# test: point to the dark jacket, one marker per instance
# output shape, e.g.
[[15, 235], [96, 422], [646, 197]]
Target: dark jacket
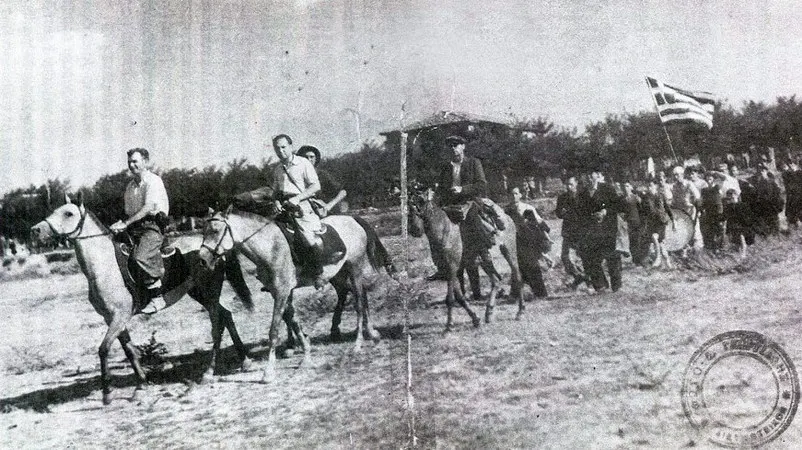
[[712, 203], [568, 210], [767, 197], [472, 180], [600, 232]]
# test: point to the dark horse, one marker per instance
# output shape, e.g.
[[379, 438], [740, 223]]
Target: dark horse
[[463, 254], [109, 295]]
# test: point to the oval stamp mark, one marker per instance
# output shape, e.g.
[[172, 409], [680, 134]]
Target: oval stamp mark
[[741, 389]]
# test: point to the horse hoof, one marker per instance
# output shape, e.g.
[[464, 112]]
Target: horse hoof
[[306, 363], [374, 335], [289, 352], [488, 317], [106, 399], [519, 315], [476, 322], [268, 375], [246, 365], [207, 378], [336, 336]]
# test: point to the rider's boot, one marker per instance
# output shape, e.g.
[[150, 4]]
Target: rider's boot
[[157, 302], [315, 265]]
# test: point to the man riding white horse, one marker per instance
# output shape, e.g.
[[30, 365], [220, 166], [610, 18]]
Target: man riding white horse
[[147, 206], [296, 182]]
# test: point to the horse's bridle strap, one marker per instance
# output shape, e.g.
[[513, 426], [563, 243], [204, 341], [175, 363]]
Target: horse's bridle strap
[[230, 232]]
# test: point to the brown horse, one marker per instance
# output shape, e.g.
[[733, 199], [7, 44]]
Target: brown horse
[[109, 295], [262, 241], [460, 254]]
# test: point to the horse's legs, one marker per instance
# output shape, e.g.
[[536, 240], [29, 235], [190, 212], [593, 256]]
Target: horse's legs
[[116, 327], [227, 322], [289, 318], [295, 334], [454, 292], [487, 265], [473, 277], [511, 256], [452, 286], [359, 294], [130, 353], [297, 331], [340, 283], [217, 336], [370, 332]]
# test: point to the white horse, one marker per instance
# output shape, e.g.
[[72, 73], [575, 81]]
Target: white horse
[[262, 241], [113, 298]]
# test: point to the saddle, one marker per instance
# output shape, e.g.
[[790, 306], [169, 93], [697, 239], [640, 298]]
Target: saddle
[[333, 245], [175, 270], [489, 224]]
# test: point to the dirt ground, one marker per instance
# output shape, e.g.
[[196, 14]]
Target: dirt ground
[[578, 371]]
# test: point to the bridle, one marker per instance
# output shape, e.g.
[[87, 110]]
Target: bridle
[[77, 231], [227, 231]]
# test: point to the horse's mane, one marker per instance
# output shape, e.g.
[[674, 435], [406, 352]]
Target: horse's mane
[[252, 216], [97, 221]]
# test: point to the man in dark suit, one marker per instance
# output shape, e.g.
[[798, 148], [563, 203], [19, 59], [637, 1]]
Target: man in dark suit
[[568, 210], [462, 190], [463, 179], [600, 206]]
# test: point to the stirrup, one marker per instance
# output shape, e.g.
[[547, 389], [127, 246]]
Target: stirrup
[[155, 305]]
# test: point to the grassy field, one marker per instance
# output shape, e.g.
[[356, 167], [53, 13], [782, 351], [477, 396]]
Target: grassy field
[[579, 371]]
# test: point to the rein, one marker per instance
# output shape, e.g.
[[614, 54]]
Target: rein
[[230, 232]]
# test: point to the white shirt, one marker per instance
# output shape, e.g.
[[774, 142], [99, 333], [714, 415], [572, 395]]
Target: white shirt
[[455, 171], [149, 190], [302, 172], [522, 207]]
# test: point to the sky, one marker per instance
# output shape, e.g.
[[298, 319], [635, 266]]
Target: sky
[[202, 83]]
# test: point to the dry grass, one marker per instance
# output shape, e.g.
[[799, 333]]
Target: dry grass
[[578, 371]]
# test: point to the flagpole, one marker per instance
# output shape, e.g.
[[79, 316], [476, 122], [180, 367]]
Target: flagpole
[[661, 121]]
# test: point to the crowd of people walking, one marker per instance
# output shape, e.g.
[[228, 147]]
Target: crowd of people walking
[[604, 222]]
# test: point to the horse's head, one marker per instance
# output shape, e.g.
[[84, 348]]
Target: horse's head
[[420, 200], [66, 221], [217, 239]]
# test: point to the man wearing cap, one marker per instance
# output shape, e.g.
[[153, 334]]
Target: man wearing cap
[[147, 206], [462, 185], [330, 188]]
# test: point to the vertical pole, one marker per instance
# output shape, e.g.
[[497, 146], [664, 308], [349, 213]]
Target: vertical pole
[[676, 160], [413, 439], [404, 211]]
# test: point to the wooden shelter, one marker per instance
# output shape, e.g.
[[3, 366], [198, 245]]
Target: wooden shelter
[[431, 132]]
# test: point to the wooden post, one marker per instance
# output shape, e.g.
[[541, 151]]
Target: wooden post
[[403, 179]]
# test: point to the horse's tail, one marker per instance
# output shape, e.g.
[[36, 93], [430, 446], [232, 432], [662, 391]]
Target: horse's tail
[[237, 281], [377, 254]]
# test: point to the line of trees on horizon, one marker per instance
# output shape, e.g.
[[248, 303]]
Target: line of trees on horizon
[[528, 148]]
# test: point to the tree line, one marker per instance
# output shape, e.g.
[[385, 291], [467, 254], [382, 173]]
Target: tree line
[[527, 148]]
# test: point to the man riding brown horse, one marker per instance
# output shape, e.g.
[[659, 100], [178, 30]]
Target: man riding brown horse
[[462, 191]]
